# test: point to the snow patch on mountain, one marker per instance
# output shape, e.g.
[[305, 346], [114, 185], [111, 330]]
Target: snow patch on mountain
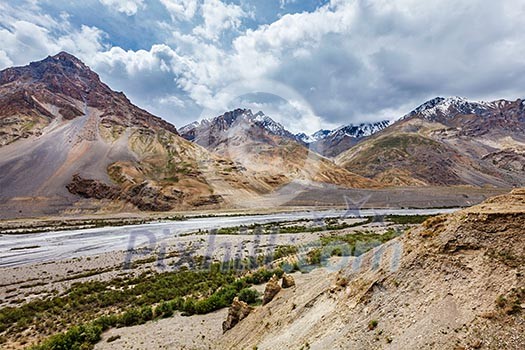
[[304, 138], [321, 134], [452, 106], [241, 115], [355, 131]]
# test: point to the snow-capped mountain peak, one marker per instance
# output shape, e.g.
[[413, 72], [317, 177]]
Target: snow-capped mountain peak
[[360, 130], [321, 134], [304, 138], [354, 131], [270, 125], [229, 119], [232, 118], [451, 106]]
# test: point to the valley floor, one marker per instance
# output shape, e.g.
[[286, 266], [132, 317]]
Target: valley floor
[[476, 254], [31, 283], [37, 213]]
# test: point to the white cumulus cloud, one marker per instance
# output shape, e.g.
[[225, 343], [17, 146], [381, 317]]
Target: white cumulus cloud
[[181, 9], [346, 61], [129, 7], [219, 17]]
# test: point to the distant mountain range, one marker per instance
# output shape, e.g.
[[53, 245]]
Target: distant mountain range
[[325, 142], [264, 146], [333, 142], [208, 131], [447, 141], [69, 142]]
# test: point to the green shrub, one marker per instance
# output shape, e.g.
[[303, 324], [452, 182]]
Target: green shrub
[[407, 219], [284, 251], [248, 295], [130, 318], [314, 256], [146, 313], [78, 337], [164, 309]]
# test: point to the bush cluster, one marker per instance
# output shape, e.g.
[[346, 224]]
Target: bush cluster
[[226, 288]]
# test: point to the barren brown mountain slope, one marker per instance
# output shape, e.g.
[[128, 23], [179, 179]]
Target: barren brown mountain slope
[[68, 142], [67, 136], [447, 142], [455, 282], [262, 145]]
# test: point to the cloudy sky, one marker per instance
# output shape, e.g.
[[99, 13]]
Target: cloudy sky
[[307, 63]]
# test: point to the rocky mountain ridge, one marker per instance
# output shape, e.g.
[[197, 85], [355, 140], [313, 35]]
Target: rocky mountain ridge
[[206, 131], [341, 139], [67, 84], [84, 147], [258, 143], [450, 141]]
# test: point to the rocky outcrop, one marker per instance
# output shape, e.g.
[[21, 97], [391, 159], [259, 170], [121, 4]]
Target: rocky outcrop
[[89, 188], [213, 199], [145, 196], [148, 196], [288, 281], [237, 311], [271, 290]]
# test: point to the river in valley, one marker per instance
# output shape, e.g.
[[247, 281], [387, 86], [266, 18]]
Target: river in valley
[[23, 249]]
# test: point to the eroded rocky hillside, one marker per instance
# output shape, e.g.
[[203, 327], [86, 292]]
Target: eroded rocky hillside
[[455, 282]]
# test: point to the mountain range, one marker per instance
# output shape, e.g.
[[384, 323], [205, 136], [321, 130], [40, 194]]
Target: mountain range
[[447, 141], [70, 143], [331, 143]]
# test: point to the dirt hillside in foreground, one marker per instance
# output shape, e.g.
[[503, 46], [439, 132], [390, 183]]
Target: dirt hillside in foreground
[[459, 284]]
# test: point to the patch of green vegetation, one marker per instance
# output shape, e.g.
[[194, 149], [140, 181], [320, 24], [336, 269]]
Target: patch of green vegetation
[[130, 301], [248, 295], [403, 141], [330, 224], [314, 256], [372, 324], [511, 304], [352, 244], [284, 251], [357, 243]]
